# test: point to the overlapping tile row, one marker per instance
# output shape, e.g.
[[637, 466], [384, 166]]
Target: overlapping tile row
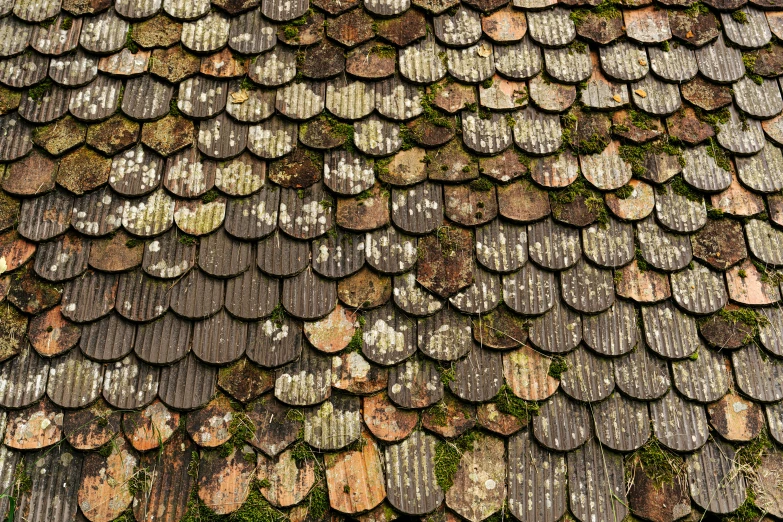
[[375, 259]]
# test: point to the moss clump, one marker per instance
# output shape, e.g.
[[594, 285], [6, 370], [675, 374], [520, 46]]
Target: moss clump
[[580, 141], [383, 51], [481, 184], [46, 24], [438, 413], [697, 9], [447, 375], [577, 46], [557, 366], [210, 196], [768, 275], [641, 120], [624, 192], [40, 89], [132, 242], [641, 263], [606, 9], [714, 213], [187, 240], [748, 317], [430, 113], [448, 456], [715, 118], [278, 315], [636, 155], [658, 463], [665, 46], [173, 107], [593, 200], [356, 342], [67, 23], [740, 17], [129, 43], [242, 429], [679, 187], [508, 403]]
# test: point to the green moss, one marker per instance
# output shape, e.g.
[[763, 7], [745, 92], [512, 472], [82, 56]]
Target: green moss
[[593, 200], [714, 213], [679, 187], [187, 240], [438, 413], [641, 120], [357, 341], [697, 9], [742, 273], [129, 43], [659, 464], [714, 118], [132, 242], [508, 403], [641, 263], [67, 23], [481, 184], [768, 275], [665, 46], [747, 512], [749, 317], [46, 24], [140, 481], [581, 143], [577, 46], [487, 84], [606, 9], [624, 192], [40, 89], [383, 51], [278, 315], [448, 456], [242, 429], [694, 356], [173, 108], [557, 366], [210, 196], [636, 155], [407, 137], [739, 17], [247, 84]]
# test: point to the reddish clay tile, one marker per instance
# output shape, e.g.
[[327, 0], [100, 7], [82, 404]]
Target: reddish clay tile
[[642, 287], [61, 136], [405, 168], [706, 95], [38, 426], [224, 482], [500, 329], [506, 25], [522, 201], [576, 212], [685, 126], [490, 417], [31, 294], [15, 251], [298, 170], [289, 481], [273, 437], [747, 286], [486, 5], [31, 175], [174, 64], [309, 33], [116, 253], [364, 289], [105, 489], [223, 64], [323, 60], [245, 381], [659, 502], [427, 134], [471, 203], [450, 417], [351, 372], [696, 29], [527, 374], [159, 31], [621, 120], [355, 478], [90, 428], [351, 29], [209, 426], [776, 208], [452, 96], [366, 213], [51, 334], [737, 200], [125, 63], [504, 167], [446, 261], [168, 135], [170, 484], [332, 333], [721, 243], [385, 420], [723, 333], [371, 60], [5, 283], [480, 481], [404, 29], [149, 428], [600, 29], [637, 206], [13, 325], [735, 418]]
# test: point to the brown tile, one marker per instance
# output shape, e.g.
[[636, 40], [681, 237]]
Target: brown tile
[[355, 479], [747, 286], [351, 29], [696, 29], [527, 374], [125, 63], [171, 481], [244, 381], [168, 135], [470, 204], [449, 417], [446, 263], [224, 482], [209, 427], [273, 437], [723, 333], [721, 243], [298, 170], [737, 200], [38, 426], [15, 251], [174, 64], [452, 96], [90, 428], [385, 420], [51, 334], [428, 134], [353, 373], [9, 211], [159, 31], [323, 60], [364, 289], [642, 286], [504, 167], [151, 427], [80, 7], [365, 213], [664, 502], [768, 494], [31, 175], [523, 202], [117, 253], [735, 418], [600, 29], [223, 64], [308, 33], [706, 95], [332, 333], [621, 120], [403, 29], [479, 483], [685, 126], [500, 329], [491, 418], [505, 25], [105, 488], [31, 294]]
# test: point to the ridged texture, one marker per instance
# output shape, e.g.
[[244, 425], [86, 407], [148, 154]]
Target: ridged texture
[[306, 381], [108, 339], [761, 378], [219, 340], [562, 424], [622, 424], [699, 290], [704, 379], [720, 63], [187, 384], [589, 378], [410, 476], [419, 209], [587, 288], [596, 486], [537, 132], [530, 291], [146, 98], [89, 297], [680, 425], [130, 383], [762, 172], [613, 332], [74, 381], [715, 483], [559, 330], [334, 424], [624, 61], [641, 374], [164, 341], [534, 472], [55, 477], [478, 377], [273, 344], [678, 64], [23, 379]]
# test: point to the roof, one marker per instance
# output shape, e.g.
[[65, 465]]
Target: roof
[[381, 259]]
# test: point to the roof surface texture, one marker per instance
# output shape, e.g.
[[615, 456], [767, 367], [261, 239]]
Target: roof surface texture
[[265, 260]]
